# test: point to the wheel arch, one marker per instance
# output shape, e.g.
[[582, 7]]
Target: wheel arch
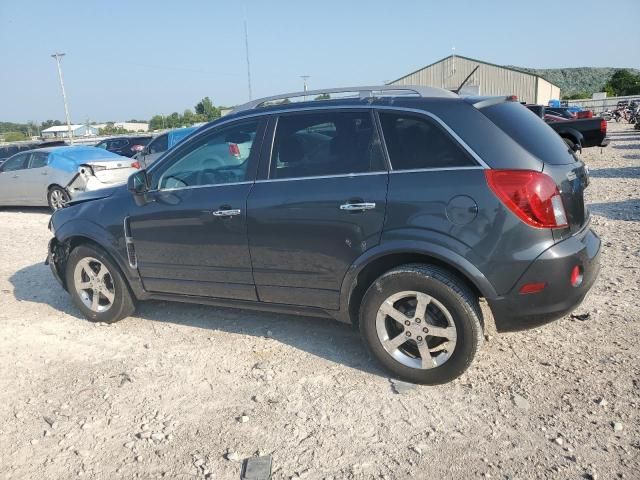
[[75, 233], [365, 271]]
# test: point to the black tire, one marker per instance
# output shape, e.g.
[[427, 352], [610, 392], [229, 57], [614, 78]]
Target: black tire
[[452, 293], [55, 196], [122, 305]]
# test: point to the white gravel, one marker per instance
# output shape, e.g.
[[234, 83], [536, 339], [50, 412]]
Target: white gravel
[[160, 393]]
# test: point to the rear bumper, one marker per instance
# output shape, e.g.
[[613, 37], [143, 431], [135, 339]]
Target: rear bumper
[[516, 311], [605, 142]]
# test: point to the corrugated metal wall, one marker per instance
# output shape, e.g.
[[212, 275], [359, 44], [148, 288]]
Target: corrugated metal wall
[[491, 79]]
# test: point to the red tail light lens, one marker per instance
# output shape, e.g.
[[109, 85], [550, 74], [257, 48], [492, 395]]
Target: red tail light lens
[[603, 126], [532, 196], [135, 165], [576, 276], [234, 149]]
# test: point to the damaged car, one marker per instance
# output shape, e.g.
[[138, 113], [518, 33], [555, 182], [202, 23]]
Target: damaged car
[[52, 176]]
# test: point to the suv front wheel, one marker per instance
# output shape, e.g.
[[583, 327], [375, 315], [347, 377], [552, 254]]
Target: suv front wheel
[[97, 286], [422, 323]]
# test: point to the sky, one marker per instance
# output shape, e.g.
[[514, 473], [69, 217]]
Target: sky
[[136, 58]]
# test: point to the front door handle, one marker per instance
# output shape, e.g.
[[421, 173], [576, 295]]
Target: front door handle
[[358, 207], [227, 213]]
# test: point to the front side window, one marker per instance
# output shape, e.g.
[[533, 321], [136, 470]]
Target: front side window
[[160, 144], [17, 162], [331, 143], [220, 157], [102, 145], [415, 142]]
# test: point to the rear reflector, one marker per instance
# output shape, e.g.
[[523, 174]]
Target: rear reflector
[[532, 196], [576, 276], [532, 288]]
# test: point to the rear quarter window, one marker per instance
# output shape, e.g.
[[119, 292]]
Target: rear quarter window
[[530, 132]]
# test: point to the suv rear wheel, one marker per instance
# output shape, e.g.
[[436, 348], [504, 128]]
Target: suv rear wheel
[[96, 285], [422, 323]]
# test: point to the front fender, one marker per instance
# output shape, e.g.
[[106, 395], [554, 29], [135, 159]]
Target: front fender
[[114, 246]]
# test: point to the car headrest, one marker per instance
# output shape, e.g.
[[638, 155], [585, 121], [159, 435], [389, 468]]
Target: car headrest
[[290, 150]]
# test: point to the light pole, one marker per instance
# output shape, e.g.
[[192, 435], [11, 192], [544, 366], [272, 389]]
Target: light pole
[[58, 56], [304, 83]]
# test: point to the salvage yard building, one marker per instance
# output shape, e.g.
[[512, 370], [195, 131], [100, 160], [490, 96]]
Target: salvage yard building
[[488, 79]]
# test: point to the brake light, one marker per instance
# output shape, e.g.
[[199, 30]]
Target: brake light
[[512, 98], [532, 196], [234, 149], [603, 126], [136, 165]]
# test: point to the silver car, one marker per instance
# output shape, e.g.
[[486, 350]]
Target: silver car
[[51, 176]]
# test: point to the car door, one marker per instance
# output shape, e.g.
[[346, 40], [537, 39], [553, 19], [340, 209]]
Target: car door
[[191, 235], [11, 191], [320, 206], [34, 179]]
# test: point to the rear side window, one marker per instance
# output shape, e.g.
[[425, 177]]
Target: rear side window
[[530, 131], [38, 160], [332, 143], [416, 142]]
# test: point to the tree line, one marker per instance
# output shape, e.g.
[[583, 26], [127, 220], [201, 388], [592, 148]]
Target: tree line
[[621, 84]]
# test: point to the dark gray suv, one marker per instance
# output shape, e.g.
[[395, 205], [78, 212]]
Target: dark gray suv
[[394, 210]]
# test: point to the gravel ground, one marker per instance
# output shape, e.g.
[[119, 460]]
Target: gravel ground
[[185, 391]]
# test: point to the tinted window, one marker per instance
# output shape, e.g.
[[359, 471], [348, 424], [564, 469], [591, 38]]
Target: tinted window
[[119, 143], [17, 162], [335, 143], [38, 160], [416, 142], [531, 132], [159, 145], [220, 157], [102, 145]]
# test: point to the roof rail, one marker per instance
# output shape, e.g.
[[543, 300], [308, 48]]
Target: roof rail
[[359, 92]]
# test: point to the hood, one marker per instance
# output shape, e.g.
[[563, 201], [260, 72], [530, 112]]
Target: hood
[[82, 197]]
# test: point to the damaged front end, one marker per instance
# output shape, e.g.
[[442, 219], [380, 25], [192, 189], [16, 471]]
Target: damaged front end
[[97, 176], [84, 181], [57, 257]]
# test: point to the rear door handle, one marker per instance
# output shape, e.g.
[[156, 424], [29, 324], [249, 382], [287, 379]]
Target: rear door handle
[[227, 213], [358, 207]]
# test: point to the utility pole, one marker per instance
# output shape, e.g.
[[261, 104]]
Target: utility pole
[[304, 83], [246, 47], [58, 56]]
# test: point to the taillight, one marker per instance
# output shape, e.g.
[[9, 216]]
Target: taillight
[[532, 196], [136, 164], [603, 126], [234, 149]]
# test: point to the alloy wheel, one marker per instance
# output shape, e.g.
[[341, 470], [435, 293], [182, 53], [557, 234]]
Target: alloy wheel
[[94, 284], [416, 330], [58, 199]]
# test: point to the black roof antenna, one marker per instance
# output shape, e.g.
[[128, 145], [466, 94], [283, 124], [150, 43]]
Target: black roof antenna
[[457, 90]]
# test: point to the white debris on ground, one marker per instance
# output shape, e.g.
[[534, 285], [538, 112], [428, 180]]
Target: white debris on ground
[[186, 391]]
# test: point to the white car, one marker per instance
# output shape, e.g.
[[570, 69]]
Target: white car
[[52, 176]]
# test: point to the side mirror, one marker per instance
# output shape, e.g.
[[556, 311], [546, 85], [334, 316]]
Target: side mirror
[[138, 183]]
